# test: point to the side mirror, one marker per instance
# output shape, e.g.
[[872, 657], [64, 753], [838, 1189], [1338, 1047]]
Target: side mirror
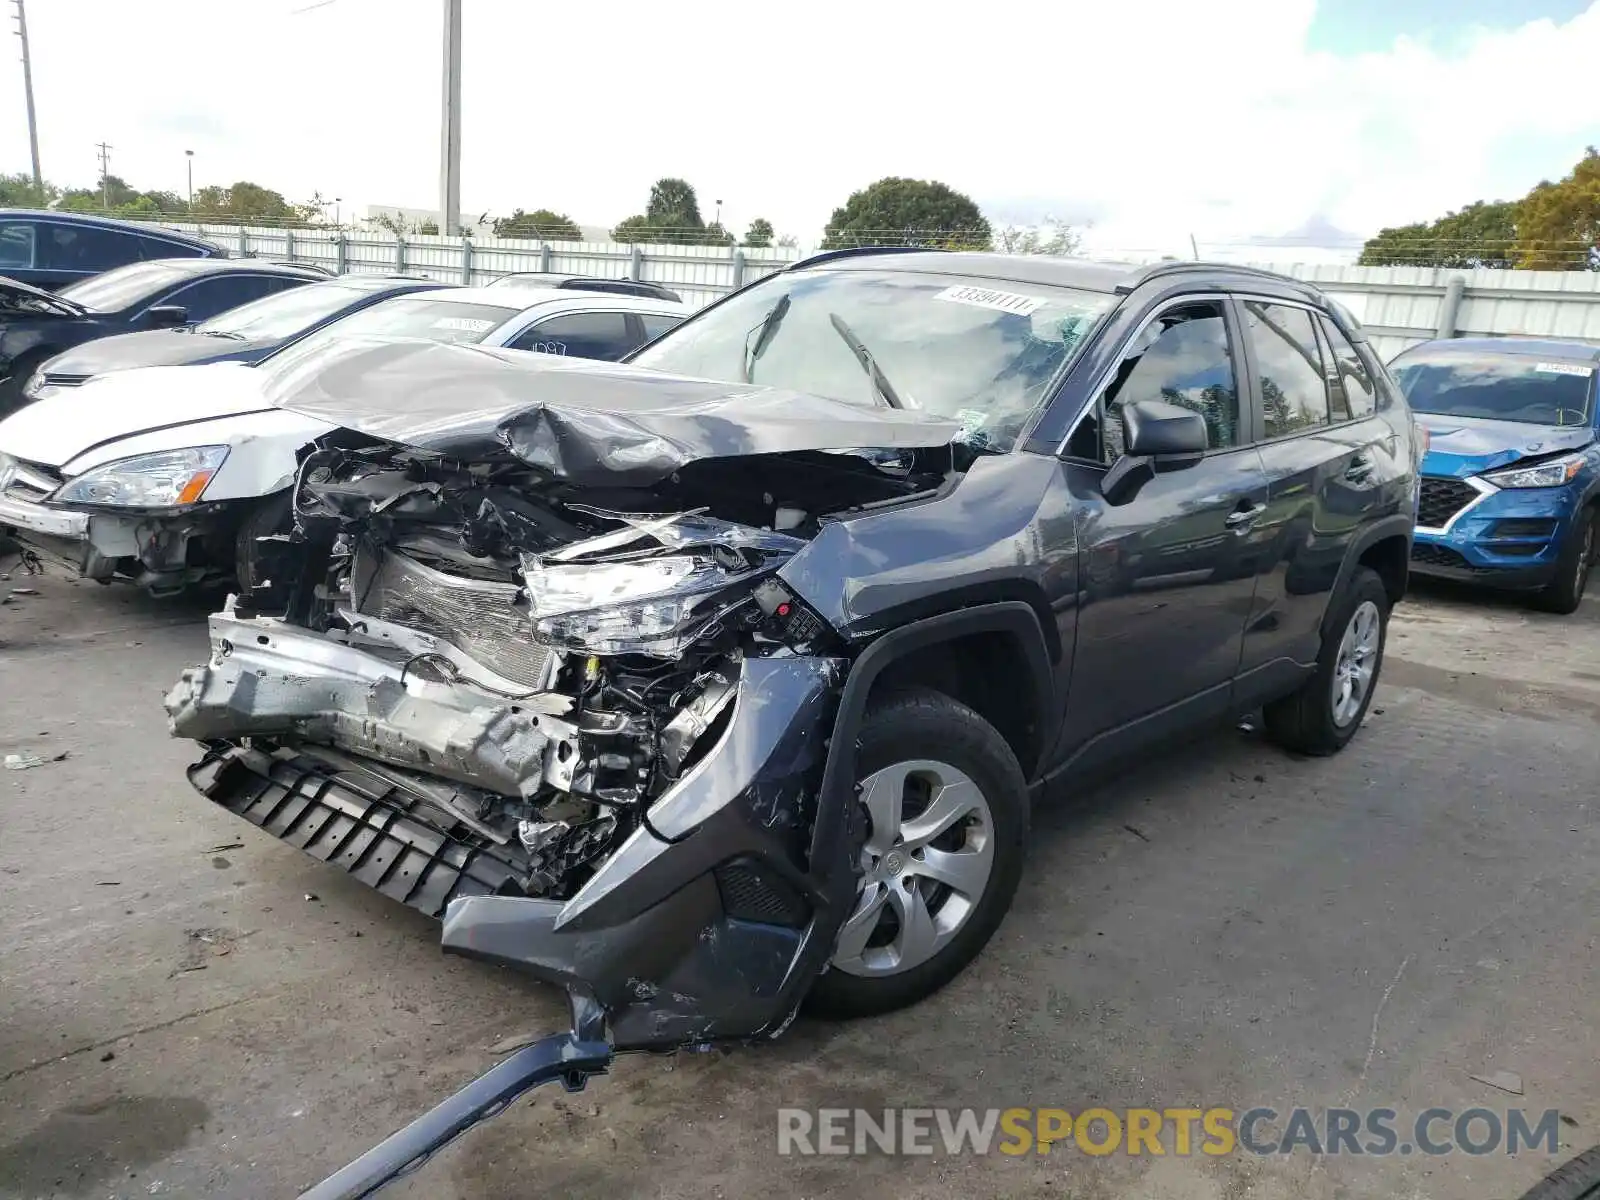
[[166, 316], [1157, 436]]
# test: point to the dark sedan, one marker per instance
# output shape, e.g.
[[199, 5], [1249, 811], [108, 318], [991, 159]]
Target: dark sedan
[[36, 325], [244, 334], [52, 249]]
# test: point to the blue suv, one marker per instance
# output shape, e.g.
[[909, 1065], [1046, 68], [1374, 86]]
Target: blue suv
[[1511, 478]]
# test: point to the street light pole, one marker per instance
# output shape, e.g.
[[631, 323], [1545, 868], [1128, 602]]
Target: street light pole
[[189, 156], [450, 129], [27, 84]]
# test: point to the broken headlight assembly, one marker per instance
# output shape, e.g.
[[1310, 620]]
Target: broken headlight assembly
[[604, 596], [168, 479], [1554, 473]]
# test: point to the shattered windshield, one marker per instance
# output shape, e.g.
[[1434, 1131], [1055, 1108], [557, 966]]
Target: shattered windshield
[[1503, 387], [979, 351]]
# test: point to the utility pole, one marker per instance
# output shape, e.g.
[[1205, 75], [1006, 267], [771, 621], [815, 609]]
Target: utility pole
[[105, 175], [189, 158], [27, 85], [450, 129]]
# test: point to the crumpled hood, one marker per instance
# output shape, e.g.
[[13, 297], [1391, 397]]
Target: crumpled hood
[[55, 430], [582, 421], [1464, 446], [152, 348], [12, 290]]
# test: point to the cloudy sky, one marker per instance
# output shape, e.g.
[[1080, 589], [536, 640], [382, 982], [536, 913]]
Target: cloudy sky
[[1310, 121]]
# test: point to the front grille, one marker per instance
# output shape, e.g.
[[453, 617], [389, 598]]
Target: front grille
[[753, 893], [480, 618], [1438, 556], [1443, 499]]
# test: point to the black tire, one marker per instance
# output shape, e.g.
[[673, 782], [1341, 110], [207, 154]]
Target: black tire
[[1304, 721], [1565, 592], [924, 724], [1576, 1180], [271, 515]]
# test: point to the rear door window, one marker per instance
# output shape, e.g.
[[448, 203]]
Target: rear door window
[[17, 242], [655, 324], [205, 298], [88, 249], [1348, 373], [601, 335], [152, 248], [1294, 390]]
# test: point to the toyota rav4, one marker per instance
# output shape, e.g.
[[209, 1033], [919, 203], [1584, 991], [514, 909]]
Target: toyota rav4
[[724, 679]]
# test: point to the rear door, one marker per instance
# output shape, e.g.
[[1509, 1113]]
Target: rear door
[[1324, 450], [1168, 577]]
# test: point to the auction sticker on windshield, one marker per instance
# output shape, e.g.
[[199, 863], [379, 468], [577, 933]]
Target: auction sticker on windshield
[[978, 297], [1565, 369], [464, 324]]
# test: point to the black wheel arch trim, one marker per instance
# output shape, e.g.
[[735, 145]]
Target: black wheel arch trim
[[1396, 525]]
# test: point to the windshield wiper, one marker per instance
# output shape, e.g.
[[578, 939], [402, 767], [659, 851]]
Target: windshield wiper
[[764, 334], [221, 333], [869, 364]]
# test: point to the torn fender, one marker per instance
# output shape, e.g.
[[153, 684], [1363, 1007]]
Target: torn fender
[[715, 916]]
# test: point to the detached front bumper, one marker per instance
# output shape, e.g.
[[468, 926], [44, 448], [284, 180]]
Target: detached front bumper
[[61, 537], [710, 920]]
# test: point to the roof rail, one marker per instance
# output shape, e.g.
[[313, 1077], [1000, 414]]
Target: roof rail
[[1184, 266], [859, 252], [304, 266]]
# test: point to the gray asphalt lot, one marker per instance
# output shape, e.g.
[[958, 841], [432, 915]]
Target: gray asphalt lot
[[188, 1008]]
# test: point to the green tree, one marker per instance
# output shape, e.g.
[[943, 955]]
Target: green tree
[[540, 223], [1558, 224], [908, 212], [112, 195], [715, 235], [673, 205], [247, 203], [1050, 236], [17, 191], [759, 235], [1479, 235]]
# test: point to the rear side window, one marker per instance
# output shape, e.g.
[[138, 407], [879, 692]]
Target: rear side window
[[87, 248], [1181, 357], [656, 324], [1294, 391], [1348, 375], [205, 298], [152, 248], [16, 245], [602, 335]]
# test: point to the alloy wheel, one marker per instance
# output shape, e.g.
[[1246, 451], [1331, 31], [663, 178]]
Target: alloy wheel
[[925, 866], [1357, 663]]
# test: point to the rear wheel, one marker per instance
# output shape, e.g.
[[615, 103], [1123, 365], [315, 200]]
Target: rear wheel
[[1565, 592], [1327, 710], [947, 812]]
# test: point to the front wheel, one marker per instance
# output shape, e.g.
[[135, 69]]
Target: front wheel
[[1565, 592], [274, 514], [946, 809], [1324, 714]]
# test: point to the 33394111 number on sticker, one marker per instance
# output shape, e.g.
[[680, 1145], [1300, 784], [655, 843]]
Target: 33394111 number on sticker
[[977, 297]]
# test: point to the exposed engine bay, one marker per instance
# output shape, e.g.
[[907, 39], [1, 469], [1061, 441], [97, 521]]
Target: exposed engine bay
[[523, 664]]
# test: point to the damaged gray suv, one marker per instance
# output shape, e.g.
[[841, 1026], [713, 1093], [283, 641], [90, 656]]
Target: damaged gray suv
[[723, 680]]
